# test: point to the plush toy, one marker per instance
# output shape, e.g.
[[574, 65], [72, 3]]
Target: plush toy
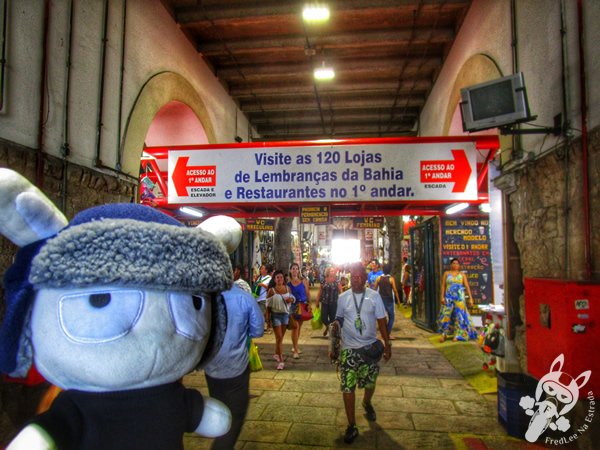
[[114, 308]]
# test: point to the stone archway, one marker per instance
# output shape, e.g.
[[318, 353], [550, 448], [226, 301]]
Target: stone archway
[[158, 91]]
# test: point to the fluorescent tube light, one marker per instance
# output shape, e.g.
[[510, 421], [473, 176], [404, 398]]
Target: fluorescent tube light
[[324, 73], [453, 209], [315, 13], [191, 211]]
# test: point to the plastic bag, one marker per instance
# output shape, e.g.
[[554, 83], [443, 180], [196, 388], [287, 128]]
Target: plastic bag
[[253, 358], [316, 322]]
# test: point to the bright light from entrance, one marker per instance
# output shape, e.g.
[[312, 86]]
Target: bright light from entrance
[[315, 13], [345, 251]]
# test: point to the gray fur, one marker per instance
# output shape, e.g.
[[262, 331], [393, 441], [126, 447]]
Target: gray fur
[[126, 252]]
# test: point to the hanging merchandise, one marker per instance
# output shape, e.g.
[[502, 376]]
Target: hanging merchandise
[[147, 188], [256, 256], [491, 341]]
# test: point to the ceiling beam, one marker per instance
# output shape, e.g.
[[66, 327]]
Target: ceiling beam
[[357, 133], [219, 10], [339, 116], [361, 40], [343, 129], [292, 104], [241, 91], [368, 66]]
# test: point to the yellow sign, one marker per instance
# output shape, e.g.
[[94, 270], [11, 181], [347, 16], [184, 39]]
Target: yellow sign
[[318, 215], [260, 224], [367, 222]]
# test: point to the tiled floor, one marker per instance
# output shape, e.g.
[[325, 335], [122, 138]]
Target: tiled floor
[[422, 402]]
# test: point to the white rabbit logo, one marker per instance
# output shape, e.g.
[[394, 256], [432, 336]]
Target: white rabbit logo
[[561, 392]]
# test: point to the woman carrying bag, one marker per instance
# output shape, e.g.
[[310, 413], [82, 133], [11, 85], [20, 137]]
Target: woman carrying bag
[[301, 306], [279, 299]]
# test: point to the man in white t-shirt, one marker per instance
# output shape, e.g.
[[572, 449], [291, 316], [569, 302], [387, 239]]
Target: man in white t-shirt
[[360, 312]]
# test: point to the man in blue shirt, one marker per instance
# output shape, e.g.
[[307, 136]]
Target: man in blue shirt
[[375, 273], [228, 374]]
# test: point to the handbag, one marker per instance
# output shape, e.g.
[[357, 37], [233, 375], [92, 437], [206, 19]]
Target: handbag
[[302, 313], [372, 353], [292, 323]]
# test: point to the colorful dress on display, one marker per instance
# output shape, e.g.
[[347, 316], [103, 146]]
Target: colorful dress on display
[[454, 313]]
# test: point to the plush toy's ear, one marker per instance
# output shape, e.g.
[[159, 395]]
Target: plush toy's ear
[[26, 214], [225, 229], [27, 218]]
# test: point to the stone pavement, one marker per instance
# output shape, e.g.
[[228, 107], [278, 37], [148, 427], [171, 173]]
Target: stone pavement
[[421, 401]]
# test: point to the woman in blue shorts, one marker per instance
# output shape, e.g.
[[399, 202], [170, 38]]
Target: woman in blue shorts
[[278, 301]]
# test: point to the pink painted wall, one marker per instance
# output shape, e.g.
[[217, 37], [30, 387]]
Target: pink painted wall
[[175, 124]]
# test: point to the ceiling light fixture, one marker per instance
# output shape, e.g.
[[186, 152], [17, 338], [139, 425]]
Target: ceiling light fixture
[[315, 13], [324, 73], [191, 211], [453, 209]]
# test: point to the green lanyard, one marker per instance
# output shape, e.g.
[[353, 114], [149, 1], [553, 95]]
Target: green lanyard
[[358, 323]]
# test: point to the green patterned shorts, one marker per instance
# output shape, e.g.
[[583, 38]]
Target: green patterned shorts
[[355, 371]]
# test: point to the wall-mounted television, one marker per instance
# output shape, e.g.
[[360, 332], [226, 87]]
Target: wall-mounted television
[[495, 103]]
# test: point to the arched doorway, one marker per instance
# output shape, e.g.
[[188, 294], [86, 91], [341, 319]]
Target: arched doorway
[[166, 99]]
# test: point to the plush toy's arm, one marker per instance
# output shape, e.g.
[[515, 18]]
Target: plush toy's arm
[[26, 214], [216, 419], [32, 437]]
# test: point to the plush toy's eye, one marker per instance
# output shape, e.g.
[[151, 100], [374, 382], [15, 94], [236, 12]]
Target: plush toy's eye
[[100, 300], [197, 300], [190, 314], [100, 316]]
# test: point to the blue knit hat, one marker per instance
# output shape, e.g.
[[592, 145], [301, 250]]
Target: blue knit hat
[[120, 245]]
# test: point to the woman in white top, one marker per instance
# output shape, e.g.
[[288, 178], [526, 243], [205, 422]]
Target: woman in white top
[[278, 301]]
